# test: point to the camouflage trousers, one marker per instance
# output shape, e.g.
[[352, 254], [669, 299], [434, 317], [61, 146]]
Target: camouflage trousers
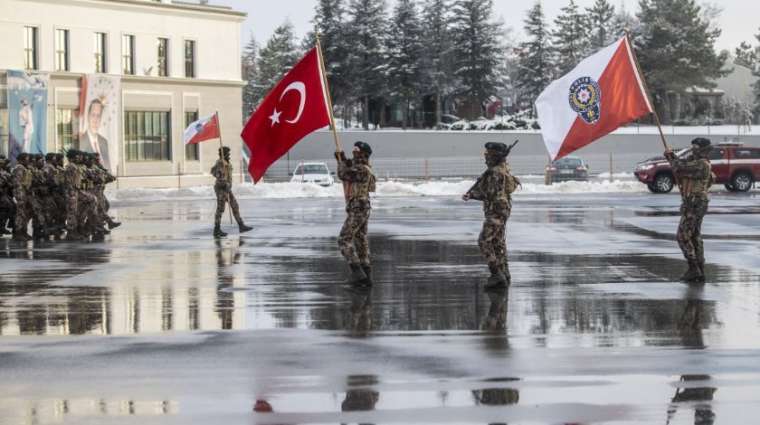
[[493, 242], [23, 211], [224, 196], [353, 241], [7, 212], [80, 212], [689, 235]]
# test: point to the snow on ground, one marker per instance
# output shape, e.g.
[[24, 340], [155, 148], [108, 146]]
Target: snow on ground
[[389, 188]]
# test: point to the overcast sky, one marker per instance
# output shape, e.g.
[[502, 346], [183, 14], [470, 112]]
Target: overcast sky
[[739, 19]]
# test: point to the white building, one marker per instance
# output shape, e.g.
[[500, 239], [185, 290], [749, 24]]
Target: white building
[[176, 61]]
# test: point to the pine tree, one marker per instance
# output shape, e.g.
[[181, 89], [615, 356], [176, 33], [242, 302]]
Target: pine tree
[[329, 21], [438, 77], [250, 76], [601, 17], [477, 51], [676, 48], [571, 43], [749, 56], [535, 58], [623, 21], [404, 53], [366, 29], [276, 58]]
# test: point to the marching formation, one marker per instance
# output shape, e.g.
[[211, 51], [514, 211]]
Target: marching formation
[[60, 201]]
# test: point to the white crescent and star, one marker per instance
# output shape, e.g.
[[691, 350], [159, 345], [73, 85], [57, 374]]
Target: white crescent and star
[[294, 86]]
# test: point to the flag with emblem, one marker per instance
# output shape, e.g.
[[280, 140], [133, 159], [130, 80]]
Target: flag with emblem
[[602, 93], [296, 107], [206, 128]]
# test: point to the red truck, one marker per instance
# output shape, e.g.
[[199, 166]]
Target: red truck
[[737, 167]]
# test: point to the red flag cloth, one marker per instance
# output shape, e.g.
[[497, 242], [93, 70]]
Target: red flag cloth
[[295, 107], [599, 95]]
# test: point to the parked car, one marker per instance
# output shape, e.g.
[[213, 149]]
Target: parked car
[[313, 172], [567, 169], [735, 166]]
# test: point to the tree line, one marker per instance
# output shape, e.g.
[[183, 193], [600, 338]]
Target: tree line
[[421, 59]]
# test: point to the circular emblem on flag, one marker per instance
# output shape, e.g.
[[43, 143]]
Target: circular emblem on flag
[[585, 97]]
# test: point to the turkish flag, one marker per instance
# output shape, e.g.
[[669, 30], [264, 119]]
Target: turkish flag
[[295, 107]]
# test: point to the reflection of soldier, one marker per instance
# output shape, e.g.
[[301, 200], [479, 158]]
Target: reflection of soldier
[[222, 171], [494, 188], [359, 181], [360, 399], [225, 301], [695, 178], [496, 319], [22, 188], [7, 205], [703, 412], [360, 314]]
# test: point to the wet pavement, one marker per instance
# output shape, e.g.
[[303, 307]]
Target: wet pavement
[[162, 324]]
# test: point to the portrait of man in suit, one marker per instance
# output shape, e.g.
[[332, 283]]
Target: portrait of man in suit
[[91, 140]]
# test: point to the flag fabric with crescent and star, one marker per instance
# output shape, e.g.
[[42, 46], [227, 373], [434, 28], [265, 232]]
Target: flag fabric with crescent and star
[[294, 108], [602, 93]]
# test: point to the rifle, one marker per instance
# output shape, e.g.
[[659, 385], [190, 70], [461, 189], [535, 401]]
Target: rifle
[[509, 150]]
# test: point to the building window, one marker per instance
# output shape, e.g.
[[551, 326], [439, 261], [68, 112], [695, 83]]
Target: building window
[[191, 151], [30, 48], [128, 54], [66, 121], [163, 57], [61, 50], [100, 52], [189, 59], [147, 135], [3, 132]]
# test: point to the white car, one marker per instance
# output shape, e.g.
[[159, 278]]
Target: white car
[[313, 172]]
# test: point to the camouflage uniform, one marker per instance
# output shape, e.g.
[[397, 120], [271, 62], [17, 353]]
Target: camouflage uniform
[[57, 200], [39, 200], [22, 188], [87, 204], [695, 178], [359, 181], [79, 203], [222, 171], [7, 206], [495, 189]]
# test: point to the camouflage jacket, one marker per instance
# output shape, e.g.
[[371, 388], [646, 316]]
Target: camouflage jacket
[[359, 181], [72, 177], [6, 183], [22, 178], [222, 172], [694, 176], [494, 188], [40, 185], [53, 177]]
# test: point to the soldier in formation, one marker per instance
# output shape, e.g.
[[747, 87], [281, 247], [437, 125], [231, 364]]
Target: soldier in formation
[[222, 172], [57, 201], [494, 188], [694, 176], [358, 182]]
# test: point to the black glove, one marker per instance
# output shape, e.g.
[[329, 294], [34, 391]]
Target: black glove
[[340, 156], [670, 155]]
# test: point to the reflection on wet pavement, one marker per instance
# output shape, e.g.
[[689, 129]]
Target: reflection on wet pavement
[[593, 310]]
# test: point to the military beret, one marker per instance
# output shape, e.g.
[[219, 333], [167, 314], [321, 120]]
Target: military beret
[[496, 147], [364, 147], [701, 142]]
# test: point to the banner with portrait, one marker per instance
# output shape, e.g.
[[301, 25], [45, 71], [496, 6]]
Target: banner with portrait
[[27, 112], [99, 107]]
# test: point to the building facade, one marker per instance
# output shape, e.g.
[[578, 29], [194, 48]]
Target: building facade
[[173, 62]]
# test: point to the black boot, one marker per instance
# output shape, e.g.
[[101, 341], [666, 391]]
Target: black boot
[[357, 276], [367, 269], [497, 279], [692, 273], [218, 232], [21, 237], [243, 228], [112, 224]]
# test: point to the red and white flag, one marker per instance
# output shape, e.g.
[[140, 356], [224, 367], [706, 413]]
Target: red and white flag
[[296, 107], [602, 93], [206, 128]]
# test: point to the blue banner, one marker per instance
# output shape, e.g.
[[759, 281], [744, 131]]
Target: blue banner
[[27, 112]]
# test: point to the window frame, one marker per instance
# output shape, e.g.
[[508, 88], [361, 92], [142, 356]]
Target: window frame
[[194, 62], [32, 53], [128, 57], [101, 57], [163, 62], [192, 152], [62, 55], [148, 136]]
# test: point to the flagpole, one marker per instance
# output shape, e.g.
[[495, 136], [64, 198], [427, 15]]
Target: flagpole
[[328, 97], [646, 89]]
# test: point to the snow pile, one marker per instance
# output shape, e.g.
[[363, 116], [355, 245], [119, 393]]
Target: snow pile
[[390, 188]]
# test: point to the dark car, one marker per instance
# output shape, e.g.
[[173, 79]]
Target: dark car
[[735, 166], [569, 168]]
